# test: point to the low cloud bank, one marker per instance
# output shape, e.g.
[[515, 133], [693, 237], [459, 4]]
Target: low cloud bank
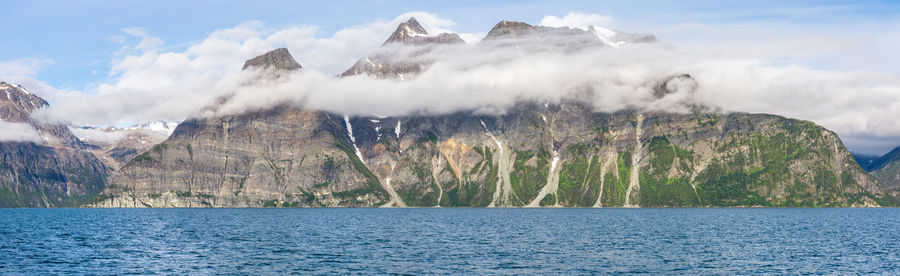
[[148, 83], [18, 132], [97, 136]]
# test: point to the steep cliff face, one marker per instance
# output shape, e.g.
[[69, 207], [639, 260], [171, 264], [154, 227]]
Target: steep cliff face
[[535, 155], [34, 175], [275, 157], [886, 170], [280, 156], [55, 170]]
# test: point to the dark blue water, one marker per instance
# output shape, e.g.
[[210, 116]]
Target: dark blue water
[[449, 241]]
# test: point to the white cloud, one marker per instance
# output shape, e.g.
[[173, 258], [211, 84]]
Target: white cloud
[[147, 83], [576, 20], [22, 68], [97, 136], [24, 71], [18, 132], [852, 103], [148, 42]]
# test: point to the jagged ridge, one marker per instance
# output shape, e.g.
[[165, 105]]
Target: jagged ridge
[[58, 171], [544, 155]]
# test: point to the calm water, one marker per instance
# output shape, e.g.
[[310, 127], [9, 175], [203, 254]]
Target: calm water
[[448, 241]]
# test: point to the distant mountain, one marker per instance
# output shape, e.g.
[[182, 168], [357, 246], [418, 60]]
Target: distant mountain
[[118, 145], [388, 65], [166, 127], [562, 38], [867, 162], [415, 43], [533, 155], [159, 126], [618, 38], [411, 32], [872, 163], [56, 170], [279, 59], [885, 168]]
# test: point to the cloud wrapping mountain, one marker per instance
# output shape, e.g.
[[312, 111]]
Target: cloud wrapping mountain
[[149, 83], [18, 132]]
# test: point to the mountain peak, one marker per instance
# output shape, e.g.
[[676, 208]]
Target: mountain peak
[[406, 30], [16, 102], [512, 29], [389, 66], [882, 161], [675, 84], [616, 38], [279, 58]]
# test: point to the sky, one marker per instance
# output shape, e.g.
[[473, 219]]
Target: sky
[[839, 56]]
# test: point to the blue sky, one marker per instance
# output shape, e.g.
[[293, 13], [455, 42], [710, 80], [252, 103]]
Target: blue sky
[[75, 34], [839, 55]]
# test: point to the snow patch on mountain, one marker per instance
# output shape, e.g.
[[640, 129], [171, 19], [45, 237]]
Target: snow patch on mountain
[[166, 127]]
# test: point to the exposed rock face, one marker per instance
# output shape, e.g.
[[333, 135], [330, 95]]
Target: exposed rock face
[[279, 59], [387, 65], [18, 103], [543, 38], [414, 42], [886, 170], [411, 32], [528, 38], [57, 172], [534, 155], [543, 156], [116, 154], [122, 144], [407, 31], [510, 29], [254, 159]]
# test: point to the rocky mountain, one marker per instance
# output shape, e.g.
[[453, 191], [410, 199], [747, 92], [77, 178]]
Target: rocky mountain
[[166, 127], [411, 32], [533, 155], [873, 162], [885, 168], [415, 44], [279, 59], [542, 38], [867, 162], [387, 64], [54, 170], [116, 146], [616, 38]]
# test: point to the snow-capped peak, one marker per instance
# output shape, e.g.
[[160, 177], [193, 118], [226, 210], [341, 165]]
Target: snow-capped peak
[[23, 89], [406, 30], [609, 37], [5, 86], [412, 28], [618, 38], [410, 32], [156, 126]]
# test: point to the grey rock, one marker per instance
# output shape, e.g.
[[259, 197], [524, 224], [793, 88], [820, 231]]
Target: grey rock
[[279, 59], [58, 172]]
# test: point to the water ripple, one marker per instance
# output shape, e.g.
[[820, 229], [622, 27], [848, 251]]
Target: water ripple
[[449, 241]]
